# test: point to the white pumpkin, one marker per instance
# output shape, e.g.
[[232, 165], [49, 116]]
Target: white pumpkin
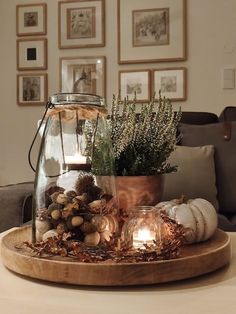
[[198, 216]]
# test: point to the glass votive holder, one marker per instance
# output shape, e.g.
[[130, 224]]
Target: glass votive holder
[[143, 228]]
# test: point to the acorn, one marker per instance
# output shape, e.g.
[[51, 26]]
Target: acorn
[[54, 196], [42, 226], [69, 210], [101, 222], [82, 198], [71, 194], [92, 239], [97, 206], [54, 188], [87, 227], [56, 214], [62, 199], [42, 214], [50, 234], [74, 221], [54, 206]]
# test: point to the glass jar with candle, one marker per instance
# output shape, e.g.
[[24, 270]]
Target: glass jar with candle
[[143, 227], [74, 184]]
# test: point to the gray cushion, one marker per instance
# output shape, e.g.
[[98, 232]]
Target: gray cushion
[[11, 201], [195, 177], [225, 158], [228, 114]]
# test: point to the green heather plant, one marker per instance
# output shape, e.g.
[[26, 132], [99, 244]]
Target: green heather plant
[[143, 143]]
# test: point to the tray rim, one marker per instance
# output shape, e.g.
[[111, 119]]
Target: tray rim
[[7, 250]]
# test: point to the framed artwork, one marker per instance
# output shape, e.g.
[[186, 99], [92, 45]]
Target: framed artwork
[[171, 82], [81, 23], [31, 19], [32, 89], [32, 54], [135, 83], [151, 31], [83, 75]]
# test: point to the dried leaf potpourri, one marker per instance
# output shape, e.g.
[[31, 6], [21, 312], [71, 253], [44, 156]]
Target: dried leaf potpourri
[[110, 252]]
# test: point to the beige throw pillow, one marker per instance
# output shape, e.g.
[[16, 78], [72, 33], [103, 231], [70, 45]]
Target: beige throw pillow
[[195, 177]]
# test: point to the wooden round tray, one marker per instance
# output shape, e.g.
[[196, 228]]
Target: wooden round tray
[[195, 260]]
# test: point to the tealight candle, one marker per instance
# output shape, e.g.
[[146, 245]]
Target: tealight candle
[[76, 159], [78, 162], [143, 236], [142, 228]]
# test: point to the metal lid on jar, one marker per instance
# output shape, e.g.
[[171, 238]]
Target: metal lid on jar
[[76, 99]]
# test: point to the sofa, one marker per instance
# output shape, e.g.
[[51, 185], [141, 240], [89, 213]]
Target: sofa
[[15, 204], [206, 164]]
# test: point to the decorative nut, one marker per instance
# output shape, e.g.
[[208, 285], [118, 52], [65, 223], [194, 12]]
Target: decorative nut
[[42, 226], [105, 236], [92, 239], [113, 223], [101, 222], [54, 196], [71, 194], [97, 206], [87, 227], [54, 206], [62, 199], [76, 221], [56, 214], [50, 234], [83, 197]]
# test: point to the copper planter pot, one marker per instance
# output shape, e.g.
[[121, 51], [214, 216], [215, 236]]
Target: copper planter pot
[[139, 190]]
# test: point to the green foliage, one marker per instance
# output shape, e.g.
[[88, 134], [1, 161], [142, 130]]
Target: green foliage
[[143, 143]]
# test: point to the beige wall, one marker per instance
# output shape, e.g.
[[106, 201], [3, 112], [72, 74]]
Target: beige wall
[[211, 47]]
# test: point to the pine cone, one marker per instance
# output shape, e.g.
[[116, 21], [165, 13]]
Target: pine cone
[[83, 184]]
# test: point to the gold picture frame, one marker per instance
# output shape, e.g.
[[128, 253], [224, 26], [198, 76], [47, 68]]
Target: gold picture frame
[[31, 19], [32, 54], [81, 23], [135, 83], [151, 31], [83, 75], [32, 89], [172, 82]]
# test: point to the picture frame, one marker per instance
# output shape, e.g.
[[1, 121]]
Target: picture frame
[[171, 82], [135, 83], [32, 54], [151, 31], [31, 19], [32, 89], [83, 75], [81, 23]]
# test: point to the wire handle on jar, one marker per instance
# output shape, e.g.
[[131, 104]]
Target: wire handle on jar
[[49, 105]]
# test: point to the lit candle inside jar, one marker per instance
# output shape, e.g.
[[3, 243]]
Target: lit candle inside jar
[[76, 159], [77, 162], [143, 236]]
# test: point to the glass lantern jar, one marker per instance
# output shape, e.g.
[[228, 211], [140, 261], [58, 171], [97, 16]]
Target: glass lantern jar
[[143, 227], [75, 184]]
